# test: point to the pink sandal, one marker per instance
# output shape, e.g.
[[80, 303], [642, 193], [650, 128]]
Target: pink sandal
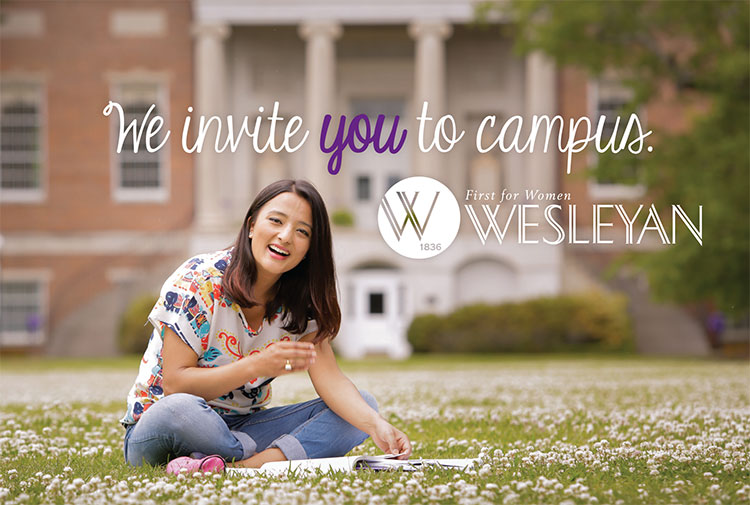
[[206, 464]]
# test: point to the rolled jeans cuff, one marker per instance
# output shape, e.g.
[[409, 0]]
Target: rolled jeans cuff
[[290, 446], [248, 444]]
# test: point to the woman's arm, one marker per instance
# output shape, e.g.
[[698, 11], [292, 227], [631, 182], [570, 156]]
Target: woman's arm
[[341, 396], [182, 375]]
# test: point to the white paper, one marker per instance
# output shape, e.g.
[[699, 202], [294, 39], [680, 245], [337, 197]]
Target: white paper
[[351, 463]]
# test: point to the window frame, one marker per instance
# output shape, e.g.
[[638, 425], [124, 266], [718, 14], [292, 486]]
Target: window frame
[[601, 191], [158, 194], [11, 339], [36, 194]]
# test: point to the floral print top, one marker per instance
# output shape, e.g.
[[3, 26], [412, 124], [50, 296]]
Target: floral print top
[[192, 303]]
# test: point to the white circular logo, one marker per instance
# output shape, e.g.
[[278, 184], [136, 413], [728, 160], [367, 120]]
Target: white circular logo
[[419, 217]]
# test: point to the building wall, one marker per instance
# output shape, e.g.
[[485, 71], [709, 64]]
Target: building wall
[[79, 236], [84, 295]]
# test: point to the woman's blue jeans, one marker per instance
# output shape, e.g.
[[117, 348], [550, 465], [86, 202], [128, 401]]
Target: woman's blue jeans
[[181, 423]]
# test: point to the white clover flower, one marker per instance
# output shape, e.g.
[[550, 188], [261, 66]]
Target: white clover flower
[[511, 498]]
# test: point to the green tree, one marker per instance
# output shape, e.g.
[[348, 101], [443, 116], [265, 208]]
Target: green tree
[[703, 48]]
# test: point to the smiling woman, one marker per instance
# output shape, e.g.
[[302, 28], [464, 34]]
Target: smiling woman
[[226, 324]]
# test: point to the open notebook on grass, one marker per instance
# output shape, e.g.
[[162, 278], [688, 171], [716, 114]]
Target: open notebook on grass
[[351, 463]]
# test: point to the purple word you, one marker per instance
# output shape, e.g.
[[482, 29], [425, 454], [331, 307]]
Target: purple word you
[[358, 140]]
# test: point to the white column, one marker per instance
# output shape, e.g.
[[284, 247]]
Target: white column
[[210, 90], [429, 87], [540, 98], [541, 169], [244, 101], [320, 93]]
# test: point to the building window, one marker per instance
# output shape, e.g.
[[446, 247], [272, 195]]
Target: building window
[[363, 188], [377, 303], [21, 139], [615, 176], [485, 170], [21, 313], [140, 176]]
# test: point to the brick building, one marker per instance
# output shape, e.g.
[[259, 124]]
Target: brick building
[[84, 230], [81, 226]]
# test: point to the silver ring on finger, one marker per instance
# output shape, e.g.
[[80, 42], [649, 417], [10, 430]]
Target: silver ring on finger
[[288, 366]]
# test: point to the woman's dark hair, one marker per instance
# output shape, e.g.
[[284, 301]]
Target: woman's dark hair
[[304, 293]]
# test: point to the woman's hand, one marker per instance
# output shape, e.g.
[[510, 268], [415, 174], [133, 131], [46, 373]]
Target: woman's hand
[[390, 440], [271, 361]]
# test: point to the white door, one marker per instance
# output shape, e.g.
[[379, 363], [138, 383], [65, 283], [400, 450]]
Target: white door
[[377, 319]]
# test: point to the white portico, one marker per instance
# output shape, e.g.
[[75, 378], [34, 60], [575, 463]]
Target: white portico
[[370, 57]]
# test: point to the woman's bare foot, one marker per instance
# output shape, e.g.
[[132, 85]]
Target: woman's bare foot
[[257, 460]]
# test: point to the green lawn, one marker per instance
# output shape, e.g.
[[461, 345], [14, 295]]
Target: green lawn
[[556, 429]]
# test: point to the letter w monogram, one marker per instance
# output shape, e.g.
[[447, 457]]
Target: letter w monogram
[[411, 216]]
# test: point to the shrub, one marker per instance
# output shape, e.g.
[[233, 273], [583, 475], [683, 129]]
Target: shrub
[[421, 329], [594, 321], [134, 330], [342, 217]]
